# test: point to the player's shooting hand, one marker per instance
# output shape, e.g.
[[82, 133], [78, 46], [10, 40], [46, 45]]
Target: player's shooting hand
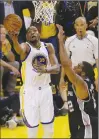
[[40, 68], [13, 35]]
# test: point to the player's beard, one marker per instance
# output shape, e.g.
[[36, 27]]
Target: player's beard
[[34, 42]]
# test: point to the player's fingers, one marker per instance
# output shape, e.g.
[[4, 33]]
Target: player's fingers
[[91, 21], [91, 25], [13, 33], [59, 27]]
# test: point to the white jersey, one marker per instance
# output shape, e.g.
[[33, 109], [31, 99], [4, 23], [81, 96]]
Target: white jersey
[[29, 75], [85, 49]]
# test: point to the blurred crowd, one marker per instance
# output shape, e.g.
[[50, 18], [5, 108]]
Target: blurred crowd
[[59, 12]]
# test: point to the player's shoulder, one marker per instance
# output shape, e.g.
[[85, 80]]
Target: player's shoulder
[[47, 44], [49, 47], [24, 43], [25, 46]]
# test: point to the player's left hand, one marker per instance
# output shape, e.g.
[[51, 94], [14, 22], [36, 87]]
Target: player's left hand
[[40, 68], [13, 35]]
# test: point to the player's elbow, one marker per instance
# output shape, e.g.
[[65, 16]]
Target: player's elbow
[[57, 70], [65, 63], [84, 96]]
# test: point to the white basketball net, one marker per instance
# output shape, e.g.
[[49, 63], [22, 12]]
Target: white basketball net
[[44, 11]]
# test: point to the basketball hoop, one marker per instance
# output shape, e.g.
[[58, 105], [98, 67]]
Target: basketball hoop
[[44, 11]]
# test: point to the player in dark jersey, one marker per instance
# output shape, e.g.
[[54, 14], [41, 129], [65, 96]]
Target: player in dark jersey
[[82, 113], [82, 118]]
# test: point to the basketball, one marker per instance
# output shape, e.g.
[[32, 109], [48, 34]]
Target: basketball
[[13, 23]]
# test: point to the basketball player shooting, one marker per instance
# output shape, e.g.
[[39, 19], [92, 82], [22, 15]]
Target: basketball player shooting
[[38, 62]]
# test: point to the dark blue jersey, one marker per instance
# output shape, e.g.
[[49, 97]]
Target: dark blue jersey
[[80, 111]]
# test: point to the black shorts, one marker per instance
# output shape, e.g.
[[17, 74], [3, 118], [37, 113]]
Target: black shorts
[[80, 131], [92, 130]]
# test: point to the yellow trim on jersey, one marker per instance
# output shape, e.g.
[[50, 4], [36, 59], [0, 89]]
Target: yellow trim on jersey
[[22, 99], [23, 72], [96, 73], [23, 69]]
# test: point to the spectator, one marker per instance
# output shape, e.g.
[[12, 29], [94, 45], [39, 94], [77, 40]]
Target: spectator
[[90, 11], [16, 7], [66, 13], [92, 16], [7, 104], [9, 109], [8, 56], [10, 67]]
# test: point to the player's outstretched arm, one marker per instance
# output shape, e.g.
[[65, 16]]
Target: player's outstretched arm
[[77, 81], [22, 48], [17, 47]]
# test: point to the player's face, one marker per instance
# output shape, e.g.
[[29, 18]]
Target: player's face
[[32, 34], [2, 34], [78, 68], [80, 27]]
